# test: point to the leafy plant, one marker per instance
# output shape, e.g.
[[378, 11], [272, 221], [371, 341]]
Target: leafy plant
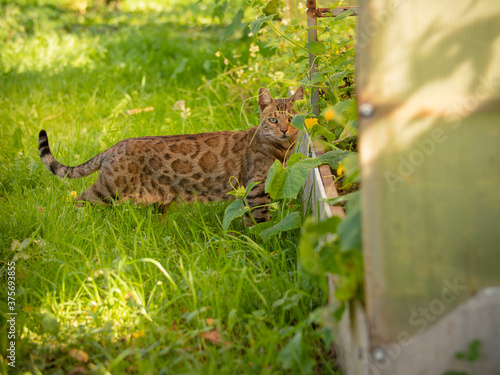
[[286, 182], [471, 355], [335, 128]]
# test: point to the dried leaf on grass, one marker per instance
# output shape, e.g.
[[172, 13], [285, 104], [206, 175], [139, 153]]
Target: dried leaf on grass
[[51, 117], [79, 355], [139, 110], [19, 247], [212, 336]]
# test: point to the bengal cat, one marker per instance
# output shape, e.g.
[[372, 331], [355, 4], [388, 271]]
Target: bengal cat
[[162, 169]]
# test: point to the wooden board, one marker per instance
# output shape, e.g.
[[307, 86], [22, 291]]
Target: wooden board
[[320, 184], [428, 79]]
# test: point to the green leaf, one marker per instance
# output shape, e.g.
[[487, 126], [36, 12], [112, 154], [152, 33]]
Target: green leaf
[[351, 168], [20, 248], [257, 24], [298, 122], [350, 130], [342, 198], [338, 75], [273, 180], [317, 77], [260, 227], [251, 186], [347, 109], [473, 353], [316, 48], [300, 59], [291, 221], [343, 15], [180, 68], [50, 324], [286, 182], [273, 43], [334, 157], [320, 130], [350, 282], [312, 261], [293, 356], [349, 229], [295, 158], [234, 210], [235, 24], [329, 257]]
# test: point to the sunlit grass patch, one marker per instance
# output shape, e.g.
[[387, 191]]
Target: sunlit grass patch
[[123, 289]]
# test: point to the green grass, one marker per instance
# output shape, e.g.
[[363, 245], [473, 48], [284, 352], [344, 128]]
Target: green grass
[[136, 293]]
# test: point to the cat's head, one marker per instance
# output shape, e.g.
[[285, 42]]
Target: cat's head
[[276, 115]]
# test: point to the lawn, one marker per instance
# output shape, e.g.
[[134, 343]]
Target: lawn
[[121, 289]]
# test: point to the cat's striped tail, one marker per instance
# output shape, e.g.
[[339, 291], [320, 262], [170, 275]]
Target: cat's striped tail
[[61, 170]]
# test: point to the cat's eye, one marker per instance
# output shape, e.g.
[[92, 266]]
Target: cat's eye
[[290, 119], [273, 120]]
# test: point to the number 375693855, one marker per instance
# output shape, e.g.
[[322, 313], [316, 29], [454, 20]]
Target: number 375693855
[[11, 283]]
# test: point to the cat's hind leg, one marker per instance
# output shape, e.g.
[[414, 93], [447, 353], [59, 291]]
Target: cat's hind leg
[[97, 194], [162, 209], [257, 197]]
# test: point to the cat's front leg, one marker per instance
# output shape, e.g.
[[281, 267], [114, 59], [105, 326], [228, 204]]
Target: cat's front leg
[[257, 197]]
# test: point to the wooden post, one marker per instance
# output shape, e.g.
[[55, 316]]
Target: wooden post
[[312, 36], [428, 80]]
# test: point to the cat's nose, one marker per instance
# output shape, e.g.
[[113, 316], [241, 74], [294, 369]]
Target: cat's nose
[[284, 130]]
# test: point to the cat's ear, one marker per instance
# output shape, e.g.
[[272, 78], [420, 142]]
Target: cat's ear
[[297, 95], [264, 98]]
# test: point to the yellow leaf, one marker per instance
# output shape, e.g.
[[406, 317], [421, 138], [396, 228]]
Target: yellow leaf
[[209, 321]]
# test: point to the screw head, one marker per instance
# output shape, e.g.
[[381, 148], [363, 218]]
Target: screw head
[[378, 354], [366, 109]]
